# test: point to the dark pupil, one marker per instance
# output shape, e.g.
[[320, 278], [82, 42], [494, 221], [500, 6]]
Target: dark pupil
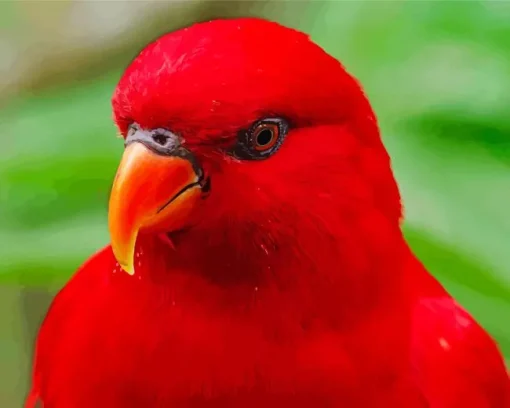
[[264, 137]]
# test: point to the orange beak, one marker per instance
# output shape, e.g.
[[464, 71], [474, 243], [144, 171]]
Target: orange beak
[[154, 189]]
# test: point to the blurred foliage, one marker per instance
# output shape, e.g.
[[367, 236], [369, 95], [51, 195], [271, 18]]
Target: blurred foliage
[[438, 75]]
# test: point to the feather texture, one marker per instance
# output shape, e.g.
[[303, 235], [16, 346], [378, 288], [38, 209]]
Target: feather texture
[[295, 286]]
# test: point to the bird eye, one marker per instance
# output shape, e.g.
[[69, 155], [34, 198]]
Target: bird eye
[[265, 136], [262, 140]]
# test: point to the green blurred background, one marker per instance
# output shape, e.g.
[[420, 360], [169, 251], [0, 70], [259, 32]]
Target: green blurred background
[[437, 73]]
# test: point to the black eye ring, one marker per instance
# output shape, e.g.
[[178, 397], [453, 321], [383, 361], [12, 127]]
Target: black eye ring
[[262, 140]]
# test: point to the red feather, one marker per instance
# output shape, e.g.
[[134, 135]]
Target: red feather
[[294, 288], [457, 363]]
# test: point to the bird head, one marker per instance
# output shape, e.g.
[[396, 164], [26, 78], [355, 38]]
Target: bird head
[[246, 133]]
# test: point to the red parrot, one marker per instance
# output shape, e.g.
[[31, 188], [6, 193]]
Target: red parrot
[[258, 220]]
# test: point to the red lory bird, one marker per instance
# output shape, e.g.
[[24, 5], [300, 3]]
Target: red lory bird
[[258, 220]]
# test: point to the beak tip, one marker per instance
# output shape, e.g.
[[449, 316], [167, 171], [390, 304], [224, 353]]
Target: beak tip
[[129, 269], [124, 258]]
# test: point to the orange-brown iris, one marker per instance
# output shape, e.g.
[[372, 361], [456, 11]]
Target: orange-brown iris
[[265, 136]]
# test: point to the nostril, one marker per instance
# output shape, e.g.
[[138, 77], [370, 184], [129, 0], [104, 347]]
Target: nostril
[[160, 138]]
